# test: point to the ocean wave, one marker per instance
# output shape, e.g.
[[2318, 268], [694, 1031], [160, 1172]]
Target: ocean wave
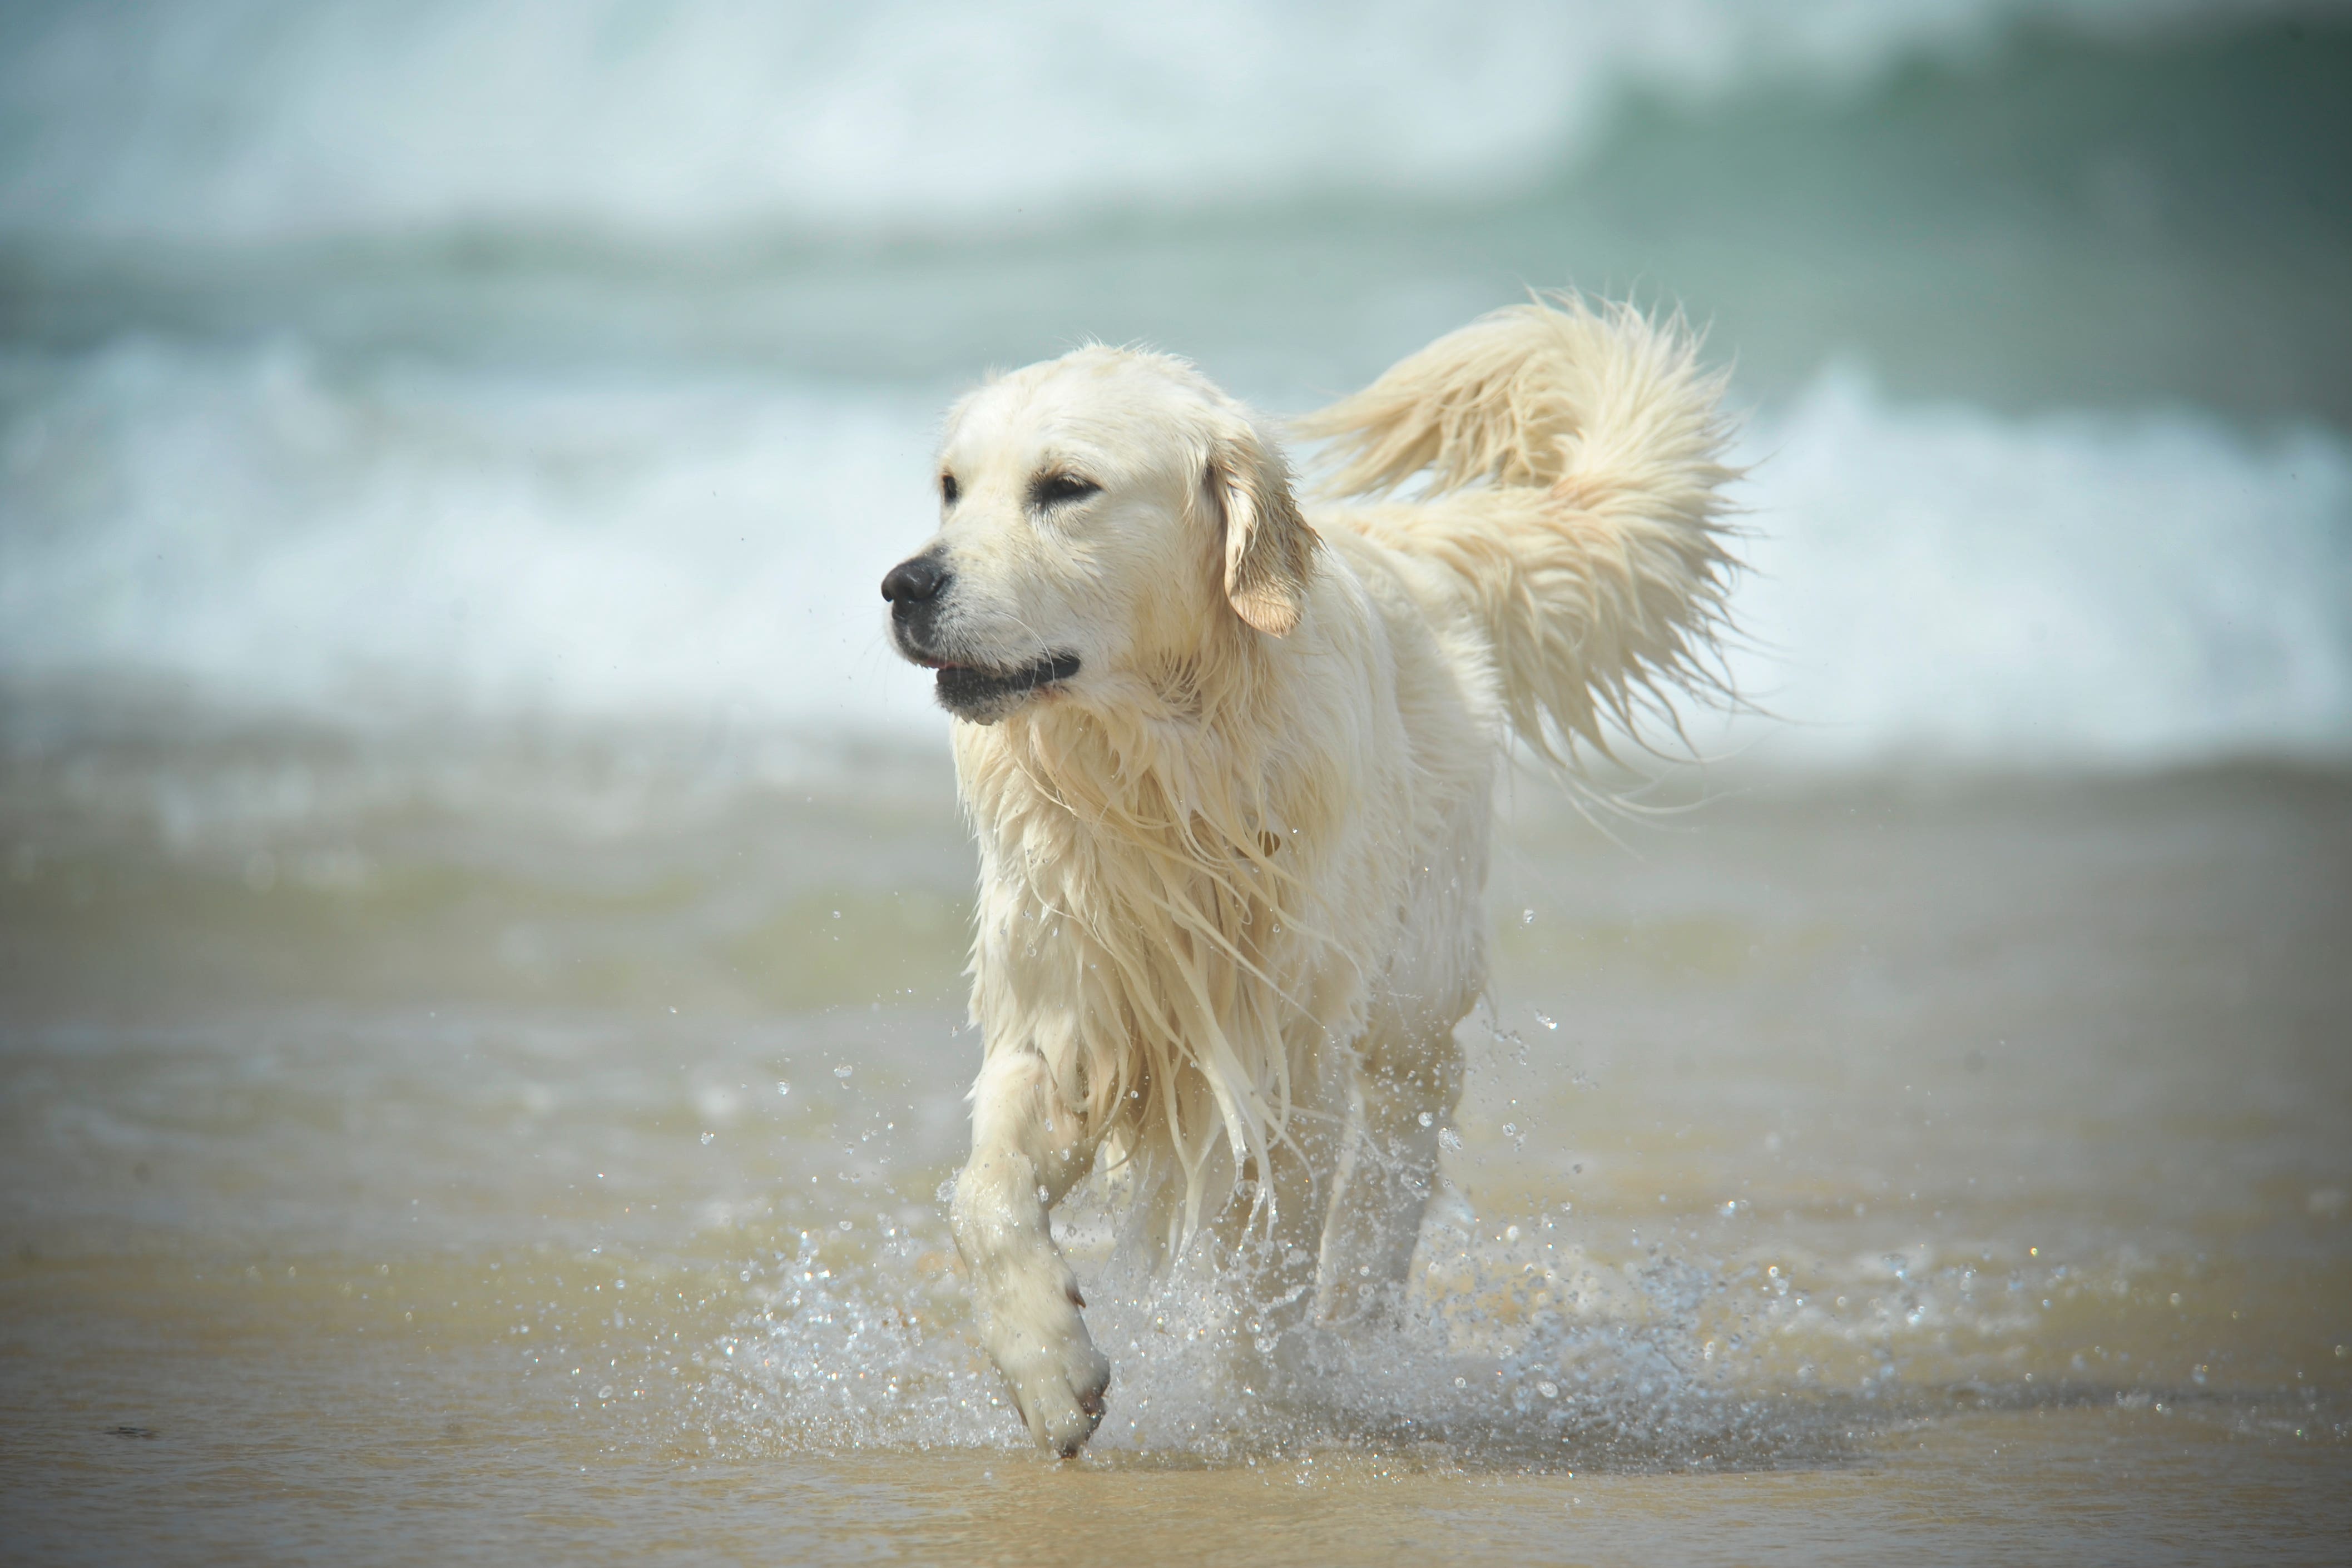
[[275, 537], [264, 122], [269, 533], [1943, 584]]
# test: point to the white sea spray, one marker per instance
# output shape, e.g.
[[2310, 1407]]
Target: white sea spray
[[273, 532]]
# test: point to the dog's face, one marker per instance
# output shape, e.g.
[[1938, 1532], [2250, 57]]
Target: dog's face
[[1102, 515]]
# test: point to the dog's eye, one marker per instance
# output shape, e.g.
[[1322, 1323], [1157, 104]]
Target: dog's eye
[[1060, 489], [947, 491]]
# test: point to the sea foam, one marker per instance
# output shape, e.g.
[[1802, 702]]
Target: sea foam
[[1943, 584], [270, 534], [263, 123]]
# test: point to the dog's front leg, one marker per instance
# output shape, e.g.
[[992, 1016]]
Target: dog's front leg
[[1027, 1150]]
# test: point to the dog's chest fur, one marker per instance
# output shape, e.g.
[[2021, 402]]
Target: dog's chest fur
[[1176, 917]]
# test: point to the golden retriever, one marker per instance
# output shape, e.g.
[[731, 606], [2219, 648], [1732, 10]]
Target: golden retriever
[[1231, 765]]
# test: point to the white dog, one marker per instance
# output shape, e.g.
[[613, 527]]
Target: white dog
[[1231, 767]]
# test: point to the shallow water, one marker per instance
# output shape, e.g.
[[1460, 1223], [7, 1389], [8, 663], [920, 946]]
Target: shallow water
[[506, 1119], [435, 1152]]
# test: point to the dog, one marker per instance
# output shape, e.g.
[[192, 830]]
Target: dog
[[1231, 765]]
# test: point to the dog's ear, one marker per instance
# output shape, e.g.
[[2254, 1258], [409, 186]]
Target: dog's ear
[[1270, 549]]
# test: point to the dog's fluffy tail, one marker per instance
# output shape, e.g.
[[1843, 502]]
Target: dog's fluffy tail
[[1571, 473]]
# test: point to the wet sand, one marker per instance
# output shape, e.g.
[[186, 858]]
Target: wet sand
[[1949, 1169]]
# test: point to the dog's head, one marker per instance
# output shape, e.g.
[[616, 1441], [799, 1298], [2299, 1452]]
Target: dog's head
[[1104, 515]]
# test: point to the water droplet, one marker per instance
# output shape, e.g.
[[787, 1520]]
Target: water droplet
[[1548, 1390], [1527, 917], [1449, 1139], [783, 1088], [844, 1070], [708, 1136], [1545, 1019], [605, 1392]]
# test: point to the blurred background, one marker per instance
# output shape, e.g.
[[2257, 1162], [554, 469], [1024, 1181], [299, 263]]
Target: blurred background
[[464, 831], [520, 361]]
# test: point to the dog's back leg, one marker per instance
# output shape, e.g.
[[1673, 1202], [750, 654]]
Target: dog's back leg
[[1408, 1065], [1274, 1226], [1408, 1083]]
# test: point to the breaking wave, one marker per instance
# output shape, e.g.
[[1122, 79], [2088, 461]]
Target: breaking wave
[[266, 122], [267, 533]]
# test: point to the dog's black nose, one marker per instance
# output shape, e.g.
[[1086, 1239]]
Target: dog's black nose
[[914, 581]]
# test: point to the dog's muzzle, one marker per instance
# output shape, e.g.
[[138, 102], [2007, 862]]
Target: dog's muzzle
[[984, 696], [979, 693]]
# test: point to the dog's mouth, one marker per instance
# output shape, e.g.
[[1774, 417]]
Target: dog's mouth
[[984, 695]]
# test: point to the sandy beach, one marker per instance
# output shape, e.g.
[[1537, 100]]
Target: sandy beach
[[1955, 1168]]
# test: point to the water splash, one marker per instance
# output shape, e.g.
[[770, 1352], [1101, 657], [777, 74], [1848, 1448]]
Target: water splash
[[1526, 1345]]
